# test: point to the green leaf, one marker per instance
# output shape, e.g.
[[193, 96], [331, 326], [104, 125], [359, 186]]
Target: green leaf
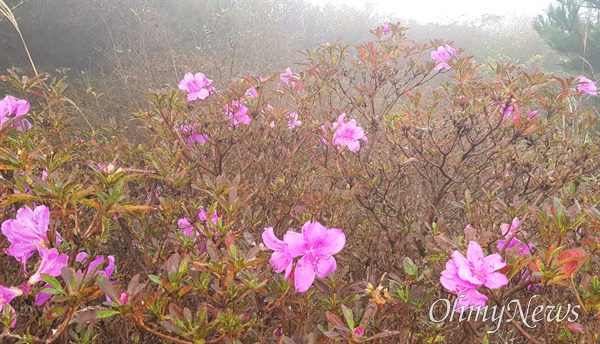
[[107, 313], [155, 279], [107, 288], [52, 281], [20, 197], [410, 268], [349, 317], [51, 291]]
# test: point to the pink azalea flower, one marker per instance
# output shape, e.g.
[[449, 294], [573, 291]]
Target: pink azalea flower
[[441, 55], [280, 259], [509, 232], [214, 218], [81, 257], [185, 225], [237, 114], [92, 269], [251, 93], [192, 135], [385, 29], [109, 269], [197, 86], [291, 80], [464, 274], [293, 120], [52, 263], [324, 137], [587, 86], [6, 296], [450, 50], [41, 298], [12, 108], [348, 134], [317, 245], [26, 231], [467, 292], [507, 111]]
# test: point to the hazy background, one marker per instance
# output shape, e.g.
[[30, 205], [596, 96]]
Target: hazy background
[[444, 11], [116, 51]]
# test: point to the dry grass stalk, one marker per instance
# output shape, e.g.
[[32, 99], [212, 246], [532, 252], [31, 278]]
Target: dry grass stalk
[[5, 11]]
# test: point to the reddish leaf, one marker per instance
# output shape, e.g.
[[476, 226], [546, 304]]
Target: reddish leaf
[[333, 319], [505, 269], [575, 327], [570, 260]]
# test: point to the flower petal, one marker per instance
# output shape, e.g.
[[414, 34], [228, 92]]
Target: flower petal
[[304, 275], [296, 245], [271, 240], [325, 266]]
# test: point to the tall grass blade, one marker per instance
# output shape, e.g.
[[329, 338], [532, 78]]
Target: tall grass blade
[[6, 12]]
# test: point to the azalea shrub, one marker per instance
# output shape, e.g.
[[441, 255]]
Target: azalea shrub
[[348, 198]]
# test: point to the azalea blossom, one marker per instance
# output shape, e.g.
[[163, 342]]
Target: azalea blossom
[[197, 86], [185, 225], [92, 268], [191, 135], [26, 231], [251, 93], [464, 274], [385, 28], [52, 263], [188, 229], [587, 86], [6, 296], [441, 55], [507, 110], [348, 134], [237, 114], [280, 259], [291, 80], [316, 244], [13, 108], [293, 120], [509, 233], [324, 136]]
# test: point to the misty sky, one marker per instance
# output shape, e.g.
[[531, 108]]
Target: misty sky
[[448, 10]]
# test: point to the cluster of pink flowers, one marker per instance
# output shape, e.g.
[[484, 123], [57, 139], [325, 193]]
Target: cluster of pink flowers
[[385, 28], [463, 275], [293, 121], [27, 234], [508, 109], [587, 86], [187, 228], [6, 296], [441, 55], [11, 108], [346, 134], [316, 244], [191, 135], [291, 80], [197, 86], [92, 270], [237, 113]]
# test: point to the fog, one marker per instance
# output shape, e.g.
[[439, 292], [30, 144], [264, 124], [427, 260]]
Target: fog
[[146, 45]]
